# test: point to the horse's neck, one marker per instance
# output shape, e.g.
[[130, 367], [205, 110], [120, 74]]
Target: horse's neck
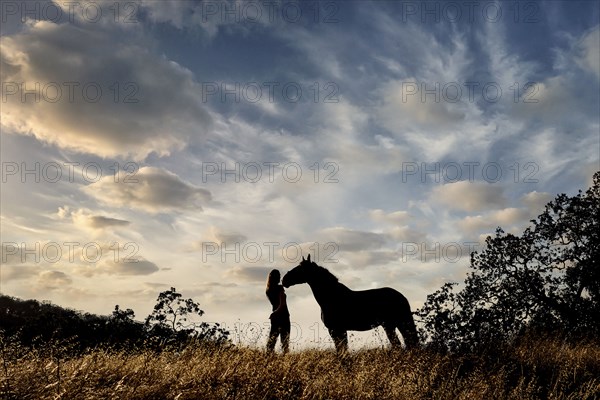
[[327, 293]]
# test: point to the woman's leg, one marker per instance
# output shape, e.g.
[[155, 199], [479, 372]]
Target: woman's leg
[[272, 337], [285, 335]]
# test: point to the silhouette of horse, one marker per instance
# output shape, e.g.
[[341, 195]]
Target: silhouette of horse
[[343, 309]]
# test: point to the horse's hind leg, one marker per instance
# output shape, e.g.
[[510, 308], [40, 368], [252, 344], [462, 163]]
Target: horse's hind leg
[[409, 331], [390, 331], [340, 338]]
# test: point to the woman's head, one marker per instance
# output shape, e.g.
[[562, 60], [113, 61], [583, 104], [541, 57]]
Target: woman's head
[[273, 278]]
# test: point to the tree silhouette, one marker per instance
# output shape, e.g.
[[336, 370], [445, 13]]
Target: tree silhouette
[[547, 279], [34, 323], [172, 311], [173, 318], [119, 315]]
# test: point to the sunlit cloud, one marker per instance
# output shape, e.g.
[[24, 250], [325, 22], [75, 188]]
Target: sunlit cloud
[[152, 190], [469, 196], [102, 99]]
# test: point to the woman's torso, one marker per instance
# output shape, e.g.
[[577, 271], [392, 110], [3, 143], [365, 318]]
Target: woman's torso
[[274, 295]]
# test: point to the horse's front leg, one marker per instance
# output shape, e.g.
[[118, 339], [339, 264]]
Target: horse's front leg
[[340, 338]]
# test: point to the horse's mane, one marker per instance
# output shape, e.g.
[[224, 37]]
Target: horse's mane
[[325, 274]]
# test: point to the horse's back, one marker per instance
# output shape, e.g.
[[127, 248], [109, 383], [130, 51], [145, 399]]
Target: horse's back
[[364, 309], [387, 294]]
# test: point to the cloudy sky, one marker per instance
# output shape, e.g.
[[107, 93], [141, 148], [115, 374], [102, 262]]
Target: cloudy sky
[[198, 145]]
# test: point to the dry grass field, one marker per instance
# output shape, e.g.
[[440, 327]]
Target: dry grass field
[[533, 369]]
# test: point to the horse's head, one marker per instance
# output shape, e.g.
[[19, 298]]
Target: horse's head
[[299, 274]]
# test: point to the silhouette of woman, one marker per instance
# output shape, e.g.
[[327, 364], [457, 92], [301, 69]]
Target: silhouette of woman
[[280, 317]]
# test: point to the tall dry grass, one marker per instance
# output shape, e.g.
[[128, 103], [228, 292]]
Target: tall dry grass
[[533, 369]]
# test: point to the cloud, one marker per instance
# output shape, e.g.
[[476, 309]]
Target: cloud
[[53, 279], [353, 240], [173, 12], [407, 235], [365, 259], [469, 196], [100, 221], [137, 267], [358, 160], [247, 274], [220, 236], [207, 16], [122, 99], [17, 272], [217, 238], [12, 253], [405, 105], [535, 201], [155, 190], [130, 266], [85, 219], [510, 216], [394, 218], [556, 121], [433, 124], [212, 285], [509, 219], [589, 51]]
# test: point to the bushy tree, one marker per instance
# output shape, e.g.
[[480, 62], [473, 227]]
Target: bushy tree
[[120, 315], [547, 279], [174, 317], [172, 311]]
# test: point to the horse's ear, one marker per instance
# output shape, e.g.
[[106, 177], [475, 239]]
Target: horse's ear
[[308, 257], [304, 259]]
